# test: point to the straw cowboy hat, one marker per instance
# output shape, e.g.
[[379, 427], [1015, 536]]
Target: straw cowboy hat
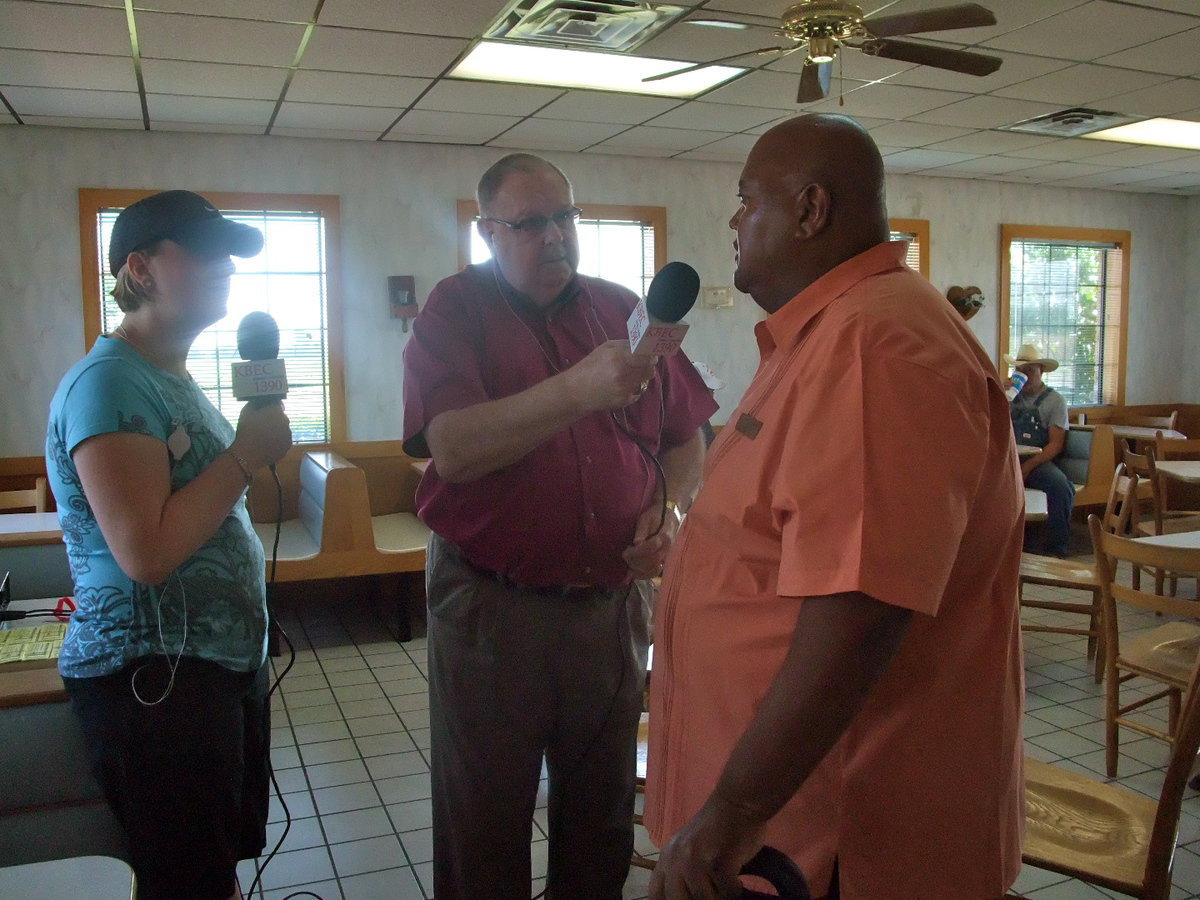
[[1030, 355]]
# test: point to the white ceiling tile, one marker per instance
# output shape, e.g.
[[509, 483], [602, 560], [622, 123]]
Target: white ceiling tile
[[556, 134], [32, 101], [1066, 149], [459, 127], [715, 117], [1161, 100], [597, 106], [1132, 155], [375, 52], [613, 150], [917, 134], [208, 127], [986, 165], [85, 122], [1093, 29], [210, 39], [260, 10], [924, 159], [706, 154], [163, 76], [1015, 67], [173, 108], [483, 97], [1190, 163], [1081, 84], [990, 142], [772, 90], [1059, 170], [85, 29], [1179, 6], [1114, 176], [1189, 182], [985, 112], [38, 68], [1178, 54], [462, 18], [888, 100], [675, 140], [310, 86], [327, 133], [736, 148], [341, 118]]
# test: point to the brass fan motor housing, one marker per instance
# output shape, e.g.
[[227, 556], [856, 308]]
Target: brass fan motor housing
[[822, 19]]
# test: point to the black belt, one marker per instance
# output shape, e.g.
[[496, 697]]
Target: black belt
[[538, 590]]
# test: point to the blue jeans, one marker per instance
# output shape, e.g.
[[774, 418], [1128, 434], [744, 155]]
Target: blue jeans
[[1060, 500]]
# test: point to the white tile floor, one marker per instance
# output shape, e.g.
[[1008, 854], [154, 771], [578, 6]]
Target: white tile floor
[[351, 745]]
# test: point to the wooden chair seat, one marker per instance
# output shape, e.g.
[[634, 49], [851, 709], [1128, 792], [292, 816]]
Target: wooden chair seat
[[1166, 652], [1086, 829]]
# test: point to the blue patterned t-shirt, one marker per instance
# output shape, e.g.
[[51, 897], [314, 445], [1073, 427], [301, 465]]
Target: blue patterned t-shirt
[[220, 588]]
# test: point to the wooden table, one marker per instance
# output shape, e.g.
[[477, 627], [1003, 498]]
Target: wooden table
[[29, 529], [1024, 450], [1180, 469], [1189, 540], [1134, 432]]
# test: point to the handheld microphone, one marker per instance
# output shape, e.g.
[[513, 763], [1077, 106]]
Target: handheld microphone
[[262, 378], [654, 326]]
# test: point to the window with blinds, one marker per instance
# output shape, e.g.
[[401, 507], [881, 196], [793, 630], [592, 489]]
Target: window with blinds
[[625, 244], [290, 280], [916, 232], [1065, 292]]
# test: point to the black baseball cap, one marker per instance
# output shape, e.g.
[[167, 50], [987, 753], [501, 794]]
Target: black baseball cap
[[185, 218]]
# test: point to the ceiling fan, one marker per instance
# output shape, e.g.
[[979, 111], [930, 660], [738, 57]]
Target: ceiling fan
[[822, 27]]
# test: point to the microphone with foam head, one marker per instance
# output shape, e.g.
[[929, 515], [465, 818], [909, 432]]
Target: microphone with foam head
[[262, 378], [654, 326]]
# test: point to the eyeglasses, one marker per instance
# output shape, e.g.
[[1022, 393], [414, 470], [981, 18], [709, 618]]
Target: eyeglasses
[[538, 224]]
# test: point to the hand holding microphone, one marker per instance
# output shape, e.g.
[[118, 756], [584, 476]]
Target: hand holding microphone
[[264, 433]]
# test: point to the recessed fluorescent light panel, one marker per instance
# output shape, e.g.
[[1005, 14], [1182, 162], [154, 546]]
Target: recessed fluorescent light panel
[[521, 64], [1155, 132]]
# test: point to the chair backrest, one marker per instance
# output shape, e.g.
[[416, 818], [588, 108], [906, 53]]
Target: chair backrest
[[34, 499], [1110, 549], [1122, 500]]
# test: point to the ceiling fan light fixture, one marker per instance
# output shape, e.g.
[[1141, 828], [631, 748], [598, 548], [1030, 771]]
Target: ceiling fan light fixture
[[829, 19], [822, 49]]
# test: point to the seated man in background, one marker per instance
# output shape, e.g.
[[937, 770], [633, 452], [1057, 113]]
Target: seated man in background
[[1039, 415]]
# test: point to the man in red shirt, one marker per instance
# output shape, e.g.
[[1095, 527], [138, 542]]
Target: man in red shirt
[[546, 501], [838, 660]]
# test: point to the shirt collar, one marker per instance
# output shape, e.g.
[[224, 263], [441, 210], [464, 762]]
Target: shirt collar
[[523, 302], [787, 323]]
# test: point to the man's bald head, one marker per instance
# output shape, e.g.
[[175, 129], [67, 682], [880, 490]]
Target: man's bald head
[[812, 197]]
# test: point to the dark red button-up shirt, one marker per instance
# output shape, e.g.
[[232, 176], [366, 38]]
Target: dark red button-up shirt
[[564, 513]]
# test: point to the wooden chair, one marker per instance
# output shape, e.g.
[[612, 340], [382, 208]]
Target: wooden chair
[[34, 499], [1105, 834], [1166, 448], [1165, 654], [1160, 521], [1065, 573]]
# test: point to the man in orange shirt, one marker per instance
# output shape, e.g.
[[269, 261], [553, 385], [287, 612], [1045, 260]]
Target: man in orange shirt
[[839, 666]]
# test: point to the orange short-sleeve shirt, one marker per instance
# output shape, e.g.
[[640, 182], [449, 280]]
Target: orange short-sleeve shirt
[[873, 452]]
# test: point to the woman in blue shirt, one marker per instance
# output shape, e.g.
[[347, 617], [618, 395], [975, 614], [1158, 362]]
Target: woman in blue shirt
[[165, 656]]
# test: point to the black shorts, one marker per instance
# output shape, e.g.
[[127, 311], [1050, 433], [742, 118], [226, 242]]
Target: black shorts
[[188, 778]]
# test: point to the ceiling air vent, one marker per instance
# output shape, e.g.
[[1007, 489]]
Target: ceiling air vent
[[592, 24], [1070, 122]]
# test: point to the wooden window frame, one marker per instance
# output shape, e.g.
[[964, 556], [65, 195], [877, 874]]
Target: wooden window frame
[[93, 200], [1122, 239]]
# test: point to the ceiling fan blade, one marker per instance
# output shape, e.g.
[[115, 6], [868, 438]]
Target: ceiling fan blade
[[814, 82], [937, 57], [943, 18], [714, 62]]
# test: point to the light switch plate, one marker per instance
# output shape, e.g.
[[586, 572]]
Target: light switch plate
[[714, 297]]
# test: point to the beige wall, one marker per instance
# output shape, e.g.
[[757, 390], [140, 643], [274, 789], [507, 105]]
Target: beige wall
[[398, 217]]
